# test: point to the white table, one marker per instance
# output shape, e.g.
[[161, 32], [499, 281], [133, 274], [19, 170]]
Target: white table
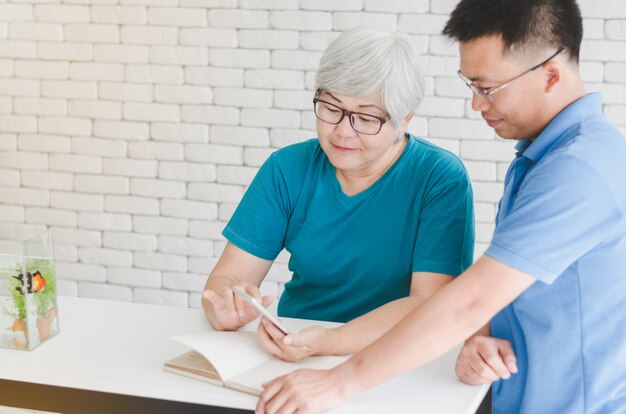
[[109, 358]]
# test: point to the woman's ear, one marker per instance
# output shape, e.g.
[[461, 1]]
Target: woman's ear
[[405, 123]]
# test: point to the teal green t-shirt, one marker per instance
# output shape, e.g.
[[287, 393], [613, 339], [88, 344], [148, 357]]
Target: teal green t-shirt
[[352, 254]]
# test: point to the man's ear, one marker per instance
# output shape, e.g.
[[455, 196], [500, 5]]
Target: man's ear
[[553, 72]]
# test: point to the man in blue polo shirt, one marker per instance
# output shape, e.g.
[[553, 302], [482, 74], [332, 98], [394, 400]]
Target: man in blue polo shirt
[[554, 276]]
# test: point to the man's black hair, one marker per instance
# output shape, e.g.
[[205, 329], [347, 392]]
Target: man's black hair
[[522, 24]]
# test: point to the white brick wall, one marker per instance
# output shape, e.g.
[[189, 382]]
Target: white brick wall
[[132, 128]]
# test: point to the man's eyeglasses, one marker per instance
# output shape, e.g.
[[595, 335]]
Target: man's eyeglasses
[[487, 92], [362, 123]]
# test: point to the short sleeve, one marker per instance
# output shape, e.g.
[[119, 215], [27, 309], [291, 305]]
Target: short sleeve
[[563, 210], [260, 221], [445, 235]]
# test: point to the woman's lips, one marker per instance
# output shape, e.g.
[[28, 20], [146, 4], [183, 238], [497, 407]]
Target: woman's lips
[[342, 149]]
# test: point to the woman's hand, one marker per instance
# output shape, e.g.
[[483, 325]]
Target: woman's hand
[[293, 347], [484, 359], [230, 312]]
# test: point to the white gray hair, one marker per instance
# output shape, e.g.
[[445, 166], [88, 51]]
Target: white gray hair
[[365, 62]]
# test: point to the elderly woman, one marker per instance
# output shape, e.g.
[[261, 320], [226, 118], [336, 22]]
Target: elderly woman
[[375, 219]]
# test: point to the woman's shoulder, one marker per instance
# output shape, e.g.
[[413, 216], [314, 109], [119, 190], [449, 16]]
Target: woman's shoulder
[[297, 160], [434, 158]]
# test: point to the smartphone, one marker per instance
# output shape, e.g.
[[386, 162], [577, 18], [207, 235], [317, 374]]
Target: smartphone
[[255, 303]]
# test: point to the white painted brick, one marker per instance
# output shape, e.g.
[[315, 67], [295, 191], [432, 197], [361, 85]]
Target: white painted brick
[[4, 30], [616, 113], [151, 112], [189, 209], [593, 28], [76, 237], [164, 226], [20, 232], [67, 288], [609, 9], [239, 58], [130, 167], [76, 201], [484, 232], [149, 35], [40, 106], [603, 50], [255, 157], [216, 192], [488, 151], [279, 273], [65, 125], [92, 33], [274, 79], [443, 6], [149, 2], [502, 168], [121, 53], [50, 216], [6, 105], [17, 123], [485, 212], [210, 114], [269, 4], [436, 106], [44, 143], [397, 6], [295, 59], [24, 196], [293, 100], [129, 241], [280, 137], [331, 5], [443, 46], [164, 74], [57, 13], [218, 4], [268, 39], [105, 291], [131, 205], [487, 192], [178, 132], [238, 19], [459, 128], [19, 87], [10, 178], [215, 154], [126, 92], [591, 71], [225, 213], [615, 29], [23, 160], [481, 170], [208, 37], [99, 147], [176, 16], [36, 31], [64, 51], [347, 20], [451, 145], [235, 175], [317, 41], [161, 261], [16, 12], [18, 49], [105, 221], [211, 230], [278, 118], [184, 281], [240, 136], [156, 150], [186, 246], [301, 20], [308, 120], [184, 171], [479, 250], [101, 184], [6, 68], [179, 55], [119, 14], [95, 109], [65, 253], [183, 94], [69, 89], [160, 297], [451, 88], [247, 98], [12, 214], [439, 66], [80, 272], [134, 277], [157, 188], [214, 76], [8, 142], [614, 72], [133, 131], [202, 265]]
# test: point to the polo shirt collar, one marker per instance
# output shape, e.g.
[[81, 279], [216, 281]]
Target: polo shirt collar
[[580, 109]]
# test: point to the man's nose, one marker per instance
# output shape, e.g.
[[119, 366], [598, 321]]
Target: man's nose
[[480, 103]]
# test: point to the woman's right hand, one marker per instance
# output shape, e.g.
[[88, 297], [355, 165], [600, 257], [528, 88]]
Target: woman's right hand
[[292, 347], [230, 312]]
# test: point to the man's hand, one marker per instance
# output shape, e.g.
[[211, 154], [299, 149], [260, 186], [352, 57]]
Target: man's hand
[[484, 359], [230, 311], [292, 347]]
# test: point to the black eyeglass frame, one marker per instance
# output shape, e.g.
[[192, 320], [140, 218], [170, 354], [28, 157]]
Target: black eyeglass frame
[[488, 92], [349, 114]]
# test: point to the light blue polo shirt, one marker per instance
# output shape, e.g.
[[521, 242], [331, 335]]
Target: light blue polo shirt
[[562, 219], [352, 254]]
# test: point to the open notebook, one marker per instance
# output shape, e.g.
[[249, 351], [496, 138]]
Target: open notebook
[[235, 360]]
